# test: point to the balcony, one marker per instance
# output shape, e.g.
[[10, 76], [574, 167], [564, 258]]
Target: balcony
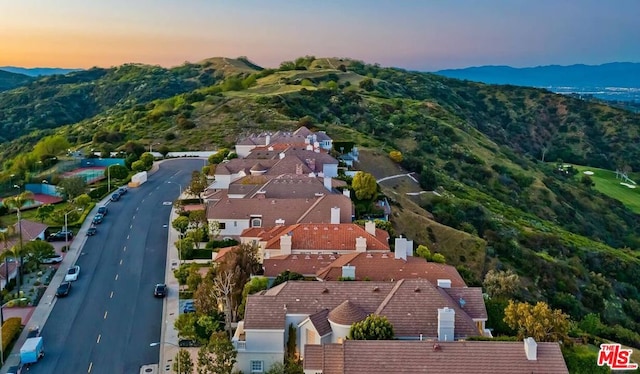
[[240, 345]]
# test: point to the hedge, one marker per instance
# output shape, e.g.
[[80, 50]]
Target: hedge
[[10, 331]]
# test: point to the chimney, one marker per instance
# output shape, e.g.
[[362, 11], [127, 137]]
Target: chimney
[[409, 248], [311, 163], [401, 248], [261, 195], [327, 183], [349, 271], [267, 140], [281, 155], [370, 227], [347, 192], [335, 215], [285, 245], [446, 324], [361, 244], [444, 283], [298, 169], [531, 349], [279, 222], [309, 147]]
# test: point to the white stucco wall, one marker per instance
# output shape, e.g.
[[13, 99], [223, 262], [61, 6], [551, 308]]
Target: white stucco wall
[[233, 227], [330, 170]]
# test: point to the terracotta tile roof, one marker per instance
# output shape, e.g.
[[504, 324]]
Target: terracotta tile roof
[[221, 255], [290, 210], [410, 316], [410, 305], [384, 267], [346, 314], [320, 322], [293, 186], [298, 263], [30, 229], [324, 237], [470, 299], [364, 357]]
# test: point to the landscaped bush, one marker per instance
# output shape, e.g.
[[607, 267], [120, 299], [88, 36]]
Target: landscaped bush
[[98, 192], [10, 331], [221, 243]]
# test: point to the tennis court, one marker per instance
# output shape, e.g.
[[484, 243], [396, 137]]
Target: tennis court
[[90, 174]]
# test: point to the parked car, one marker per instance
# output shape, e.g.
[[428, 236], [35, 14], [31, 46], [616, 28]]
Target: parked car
[[54, 259], [97, 218], [72, 274], [160, 290], [115, 197], [91, 231], [15, 369], [189, 307], [103, 210], [60, 235], [63, 289], [122, 190]]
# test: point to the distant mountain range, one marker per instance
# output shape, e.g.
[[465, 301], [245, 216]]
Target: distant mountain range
[[36, 72], [612, 81]]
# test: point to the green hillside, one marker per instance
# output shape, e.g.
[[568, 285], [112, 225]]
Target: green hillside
[[12, 80], [484, 149]]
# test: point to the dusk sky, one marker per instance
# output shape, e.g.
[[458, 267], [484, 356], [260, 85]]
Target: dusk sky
[[418, 35]]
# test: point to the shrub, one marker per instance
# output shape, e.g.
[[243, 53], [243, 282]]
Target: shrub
[[98, 193], [10, 331]]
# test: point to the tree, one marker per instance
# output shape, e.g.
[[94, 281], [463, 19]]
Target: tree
[[186, 325], [82, 200], [537, 321], [181, 224], [364, 185], [116, 171], [194, 278], [198, 184], [17, 203], [183, 358], [38, 249], [243, 262], [147, 158], [217, 357], [185, 247], [44, 211], [439, 258], [287, 276], [367, 84], [197, 218], [424, 252], [219, 156], [396, 156], [138, 166], [374, 327], [50, 146], [501, 284], [72, 186], [164, 150], [223, 288], [205, 297], [256, 284]]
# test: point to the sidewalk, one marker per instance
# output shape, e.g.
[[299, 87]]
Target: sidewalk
[[169, 336], [44, 307]]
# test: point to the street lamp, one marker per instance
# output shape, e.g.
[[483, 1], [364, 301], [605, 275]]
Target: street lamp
[[175, 345], [2, 323], [66, 228], [109, 177]]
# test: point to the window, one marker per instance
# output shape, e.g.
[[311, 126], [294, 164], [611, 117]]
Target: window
[[257, 366], [222, 225], [235, 223], [256, 222]]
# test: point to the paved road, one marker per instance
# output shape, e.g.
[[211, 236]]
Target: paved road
[[110, 317]]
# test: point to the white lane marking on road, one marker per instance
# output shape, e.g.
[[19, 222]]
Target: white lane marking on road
[[116, 276], [130, 227], [137, 209], [98, 341], [90, 367], [105, 314], [134, 217], [124, 249], [111, 296], [120, 261]]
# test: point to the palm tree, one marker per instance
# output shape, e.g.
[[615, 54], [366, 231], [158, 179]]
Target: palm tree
[[5, 234], [17, 203]]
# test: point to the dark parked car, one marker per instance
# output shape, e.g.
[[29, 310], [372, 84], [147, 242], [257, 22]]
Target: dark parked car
[[189, 307], [91, 231], [122, 190], [160, 290], [98, 218], [103, 210], [60, 235], [15, 369], [55, 259], [115, 197], [63, 289]]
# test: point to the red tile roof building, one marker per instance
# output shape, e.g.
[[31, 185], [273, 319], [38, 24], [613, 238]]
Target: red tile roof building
[[473, 357]]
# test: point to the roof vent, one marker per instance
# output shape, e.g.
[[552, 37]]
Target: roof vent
[[295, 257], [376, 289], [417, 289], [437, 347], [325, 290], [462, 302]]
